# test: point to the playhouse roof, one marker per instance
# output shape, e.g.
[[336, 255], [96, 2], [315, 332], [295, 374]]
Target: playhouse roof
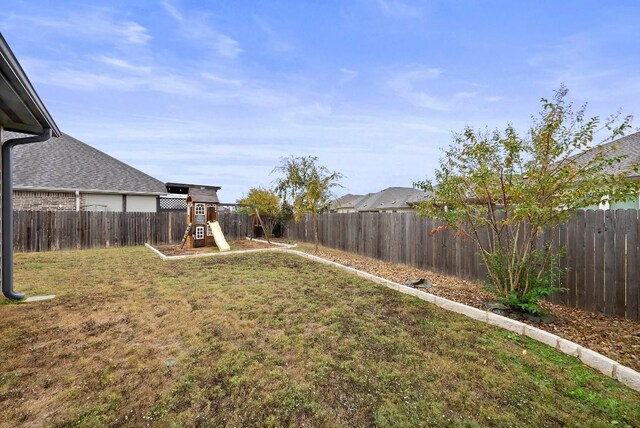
[[184, 188], [201, 194]]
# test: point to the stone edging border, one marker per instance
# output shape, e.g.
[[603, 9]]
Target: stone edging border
[[225, 253], [605, 365], [279, 244]]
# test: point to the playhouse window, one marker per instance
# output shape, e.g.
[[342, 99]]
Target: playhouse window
[[200, 232], [199, 210]]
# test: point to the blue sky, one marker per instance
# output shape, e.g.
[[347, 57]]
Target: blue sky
[[217, 92]]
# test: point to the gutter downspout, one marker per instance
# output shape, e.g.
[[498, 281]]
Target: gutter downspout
[[7, 211], [77, 200]]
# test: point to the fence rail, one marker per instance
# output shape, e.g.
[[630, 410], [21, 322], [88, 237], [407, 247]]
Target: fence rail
[[60, 230], [602, 252]]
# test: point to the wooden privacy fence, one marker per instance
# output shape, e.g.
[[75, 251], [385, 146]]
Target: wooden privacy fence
[[602, 252], [60, 230]]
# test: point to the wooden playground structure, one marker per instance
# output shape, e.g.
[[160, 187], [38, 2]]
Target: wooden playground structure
[[203, 207]]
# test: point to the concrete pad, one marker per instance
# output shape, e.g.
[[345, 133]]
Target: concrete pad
[[541, 336], [629, 377], [506, 323], [567, 347], [597, 361], [31, 299]]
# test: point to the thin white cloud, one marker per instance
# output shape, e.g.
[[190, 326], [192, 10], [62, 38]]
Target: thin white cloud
[[86, 80], [123, 64], [172, 11], [221, 80], [226, 46], [399, 9], [127, 77], [464, 95], [96, 23], [78, 79], [493, 99], [133, 33], [578, 62], [274, 41], [404, 85], [347, 75], [194, 27]]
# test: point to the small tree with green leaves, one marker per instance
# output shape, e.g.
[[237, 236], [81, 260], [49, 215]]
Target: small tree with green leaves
[[268, 204], [286, 214], [307, 186], [513, 186]]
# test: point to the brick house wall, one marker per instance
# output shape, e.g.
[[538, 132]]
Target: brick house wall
[[44, 201]]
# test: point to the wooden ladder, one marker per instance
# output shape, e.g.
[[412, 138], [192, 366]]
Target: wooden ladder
[[186, 234]]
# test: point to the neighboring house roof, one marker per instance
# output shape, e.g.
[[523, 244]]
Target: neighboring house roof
[[418, 197], [392, 198], [347, 201], [629, 146], [67, 164]]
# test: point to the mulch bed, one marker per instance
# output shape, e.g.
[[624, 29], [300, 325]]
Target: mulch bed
[[243, 244], [616, 338]]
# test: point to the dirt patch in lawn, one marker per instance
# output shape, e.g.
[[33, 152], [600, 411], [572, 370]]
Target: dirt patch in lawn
[[241, 244], [616, 338]]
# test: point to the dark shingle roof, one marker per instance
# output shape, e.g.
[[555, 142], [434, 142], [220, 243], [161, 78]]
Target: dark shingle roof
[[629, 146], [392, 198], [388, 199], [65, 163], [346, 201]]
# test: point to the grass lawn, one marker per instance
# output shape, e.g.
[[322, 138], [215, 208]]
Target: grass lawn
[[269, 339]]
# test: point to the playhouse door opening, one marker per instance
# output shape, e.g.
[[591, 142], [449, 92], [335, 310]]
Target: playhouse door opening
[[212, 213], [198, 237]]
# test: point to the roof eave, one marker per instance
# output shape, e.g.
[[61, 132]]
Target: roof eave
[[72, 190], [18, 87]]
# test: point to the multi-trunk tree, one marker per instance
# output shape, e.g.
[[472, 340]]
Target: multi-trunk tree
[[511, 186]]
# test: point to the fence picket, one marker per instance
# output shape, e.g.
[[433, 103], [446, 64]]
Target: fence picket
[[633, 266], [609, 263]]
